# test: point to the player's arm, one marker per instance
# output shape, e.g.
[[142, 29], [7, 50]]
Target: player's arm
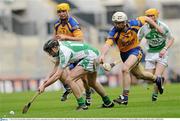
[[56, 63], [151, 22], [105, 49], [54, 77], [169, 43], [51, 78], [170, 40], [63, 62], [107, 45], [169, 37]]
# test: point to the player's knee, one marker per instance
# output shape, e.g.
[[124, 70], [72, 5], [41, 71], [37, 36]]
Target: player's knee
[[91, 83], [69, 79], [125, 68]]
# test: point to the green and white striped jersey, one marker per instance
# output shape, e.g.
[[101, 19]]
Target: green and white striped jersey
[[71, 51], [155, 40]]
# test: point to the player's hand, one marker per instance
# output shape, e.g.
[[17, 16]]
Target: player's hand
[[162, 53], [41, 89], [101, 59], [57, 37], [61, 37]]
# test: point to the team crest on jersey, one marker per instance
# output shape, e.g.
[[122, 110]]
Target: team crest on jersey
[[155, 39]]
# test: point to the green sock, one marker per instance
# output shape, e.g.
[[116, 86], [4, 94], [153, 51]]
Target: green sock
[[155, 94], [106, 100], [81, 101]]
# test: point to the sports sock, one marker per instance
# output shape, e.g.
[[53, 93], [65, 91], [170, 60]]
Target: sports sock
[[66, 86], [81, 101], [155, 94], [106, 100], [88, 93], [125, 94]]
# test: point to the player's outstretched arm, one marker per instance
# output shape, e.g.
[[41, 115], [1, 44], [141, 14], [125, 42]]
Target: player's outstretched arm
[[51, 80], [53, 71], [150, 21], [104, 51]]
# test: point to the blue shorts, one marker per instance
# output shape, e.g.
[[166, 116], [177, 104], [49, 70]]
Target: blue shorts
[[135, 51], [72, 65]]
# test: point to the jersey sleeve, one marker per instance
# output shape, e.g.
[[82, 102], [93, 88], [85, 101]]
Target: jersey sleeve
[[141, 19], [168, 33], [74, 24], [135, 22], [111, 38], [75, 28], [141, 33], [56, 25]]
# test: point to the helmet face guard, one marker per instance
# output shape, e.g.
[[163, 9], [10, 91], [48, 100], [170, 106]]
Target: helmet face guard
[[119, 20]]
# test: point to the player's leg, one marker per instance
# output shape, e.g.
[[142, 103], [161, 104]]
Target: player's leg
[[66, 86], [75, 74], [87, 90], [79, 82], [140, 73], [160, 68], [81, 85], [99, 89], [150, 67], [66, 92], [154, 96], [129, 64]]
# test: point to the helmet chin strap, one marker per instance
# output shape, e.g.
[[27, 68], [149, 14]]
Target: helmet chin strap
[[56, 54]]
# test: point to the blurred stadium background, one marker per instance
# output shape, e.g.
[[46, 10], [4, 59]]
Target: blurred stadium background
[[26, 24]]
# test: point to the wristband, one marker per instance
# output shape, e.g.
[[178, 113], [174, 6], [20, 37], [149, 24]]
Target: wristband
[[165, 48]]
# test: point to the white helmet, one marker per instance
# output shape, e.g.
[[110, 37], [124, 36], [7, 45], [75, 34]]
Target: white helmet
[[119, 17]]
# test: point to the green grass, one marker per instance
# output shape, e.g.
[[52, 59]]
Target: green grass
[[140, 105]]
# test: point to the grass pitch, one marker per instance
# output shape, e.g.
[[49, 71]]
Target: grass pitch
[[48, 105]]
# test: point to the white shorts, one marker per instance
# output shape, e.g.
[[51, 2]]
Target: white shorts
[[88, 63], [153, 58]]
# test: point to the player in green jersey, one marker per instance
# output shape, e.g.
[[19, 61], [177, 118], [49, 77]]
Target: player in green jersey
[[158, 45], [67, 52]]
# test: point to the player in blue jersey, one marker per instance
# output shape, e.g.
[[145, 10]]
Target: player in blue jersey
[[67, 28], [124, 35]]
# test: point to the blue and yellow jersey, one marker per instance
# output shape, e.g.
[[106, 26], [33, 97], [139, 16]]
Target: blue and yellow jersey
[[142, 19], [125, 40], [71, 28]]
